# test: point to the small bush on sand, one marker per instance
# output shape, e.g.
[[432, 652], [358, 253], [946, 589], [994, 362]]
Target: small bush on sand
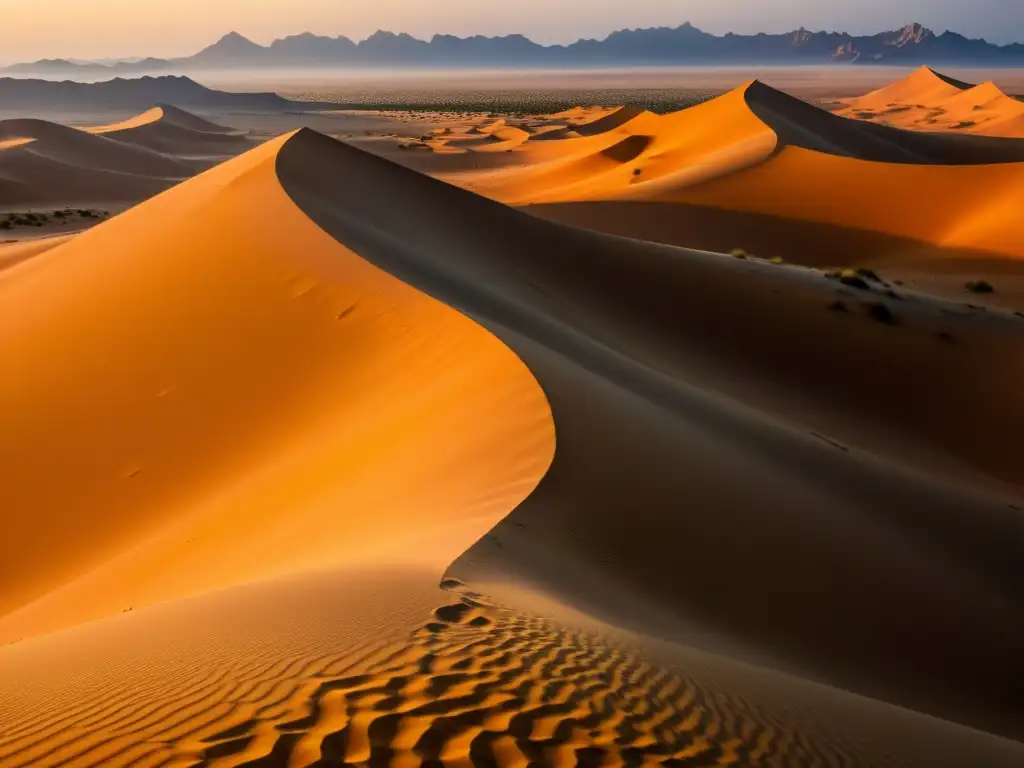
[[869, 274], [851, 278], [739, 253], [776, 260], [637, 171], [980, 286], [882, 314], [5, 225]]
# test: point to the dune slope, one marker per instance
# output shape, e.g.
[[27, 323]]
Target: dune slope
[[174, 131], [933, 103], [45, 163], [213, 374], [49, 164], [629, 389], [761, 170], [275, 443]]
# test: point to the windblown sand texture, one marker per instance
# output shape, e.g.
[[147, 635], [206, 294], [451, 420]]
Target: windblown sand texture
[[929, 101], [316, 460]]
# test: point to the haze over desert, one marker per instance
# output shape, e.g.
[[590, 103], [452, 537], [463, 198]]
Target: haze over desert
[[515, 417]]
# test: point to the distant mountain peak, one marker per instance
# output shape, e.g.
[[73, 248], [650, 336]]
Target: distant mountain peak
[[235, 38], [231, 45], [913, 34]]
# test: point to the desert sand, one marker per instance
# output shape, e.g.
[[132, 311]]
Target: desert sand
[[319, 458], [47, 164], [930, 101]]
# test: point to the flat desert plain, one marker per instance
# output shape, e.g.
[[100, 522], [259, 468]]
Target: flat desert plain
[[601, 436]]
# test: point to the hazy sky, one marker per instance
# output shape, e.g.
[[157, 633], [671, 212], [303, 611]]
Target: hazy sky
[[32, 29]]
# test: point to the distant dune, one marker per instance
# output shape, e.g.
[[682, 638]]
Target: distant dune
[[929, 101], [127, 94], [316, 459], [45, 163], [894, 196], [174, 131]]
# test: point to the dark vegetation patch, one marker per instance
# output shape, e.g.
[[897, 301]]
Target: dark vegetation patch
[[17, 219], [979, 286], [518, 102], [881, 313]]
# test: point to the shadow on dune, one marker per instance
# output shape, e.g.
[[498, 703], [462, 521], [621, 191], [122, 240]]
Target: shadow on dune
[[800, 124], [818, 559], [810, 243]]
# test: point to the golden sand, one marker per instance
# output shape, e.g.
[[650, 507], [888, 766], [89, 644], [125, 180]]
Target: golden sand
[[314, 459]]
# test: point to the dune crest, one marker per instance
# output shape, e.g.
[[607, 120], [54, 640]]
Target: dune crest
[[928, 101], [46, 163], [758, 151], [345, 356]]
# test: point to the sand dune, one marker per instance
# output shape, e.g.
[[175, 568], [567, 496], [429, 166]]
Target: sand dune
[[17, 252], [923, 86], [176, 132], [405, 475], [45, 163], [659, 291], [162, 435], [928, 101], [894, 197]]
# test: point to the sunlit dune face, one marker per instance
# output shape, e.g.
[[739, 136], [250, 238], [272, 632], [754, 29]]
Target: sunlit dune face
[[926, 102], [269, 371]]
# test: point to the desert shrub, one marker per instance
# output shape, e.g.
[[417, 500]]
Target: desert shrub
[[739, 253], [637, 171], [882, 313], [851, 278], [869, 274], [776, 260], [979, 286], [5, 225]]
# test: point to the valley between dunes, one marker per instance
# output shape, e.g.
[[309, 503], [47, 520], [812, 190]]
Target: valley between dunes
[[515, 446]]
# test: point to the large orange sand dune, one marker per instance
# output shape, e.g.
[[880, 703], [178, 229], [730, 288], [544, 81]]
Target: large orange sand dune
[[317, 460]]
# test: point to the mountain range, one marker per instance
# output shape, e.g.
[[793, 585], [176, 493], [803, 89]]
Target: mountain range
[[686, 44]]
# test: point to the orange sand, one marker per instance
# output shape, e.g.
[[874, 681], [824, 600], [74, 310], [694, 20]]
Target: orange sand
[[281, 477], [361, 370], [926, 101]]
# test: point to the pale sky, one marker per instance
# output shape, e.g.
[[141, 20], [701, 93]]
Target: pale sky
[[33, 29]]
